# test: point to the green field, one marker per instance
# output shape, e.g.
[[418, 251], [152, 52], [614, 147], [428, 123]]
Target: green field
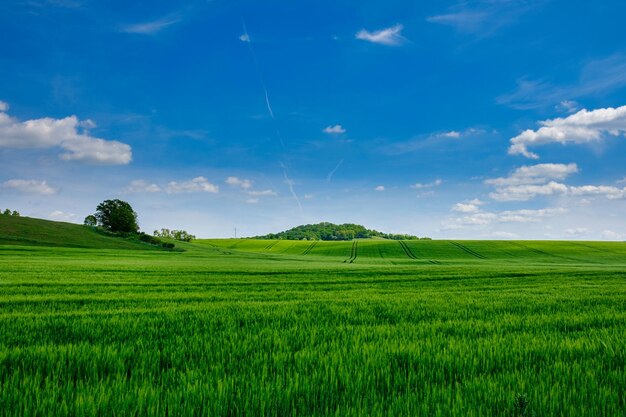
[[108, 327]]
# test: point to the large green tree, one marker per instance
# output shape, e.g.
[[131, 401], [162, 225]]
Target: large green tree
[[117, 216]]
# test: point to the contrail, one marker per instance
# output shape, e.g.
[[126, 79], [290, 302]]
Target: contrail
[[289, 183], [246, 38], [329, 177]]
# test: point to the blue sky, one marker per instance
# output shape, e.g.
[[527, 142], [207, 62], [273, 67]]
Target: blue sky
[[461, 119]]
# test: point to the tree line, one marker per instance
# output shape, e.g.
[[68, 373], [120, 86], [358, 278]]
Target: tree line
[[9, 212], [118, 217]]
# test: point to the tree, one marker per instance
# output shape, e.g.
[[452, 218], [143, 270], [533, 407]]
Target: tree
[[7, 212], [116, 216], [15, 213], [90, 221]]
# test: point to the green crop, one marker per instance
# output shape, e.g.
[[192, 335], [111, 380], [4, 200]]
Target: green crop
[[284, 328]]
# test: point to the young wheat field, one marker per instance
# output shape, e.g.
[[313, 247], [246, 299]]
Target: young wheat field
[[284, 328]]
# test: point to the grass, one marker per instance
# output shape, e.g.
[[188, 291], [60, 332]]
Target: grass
[[249, 328]]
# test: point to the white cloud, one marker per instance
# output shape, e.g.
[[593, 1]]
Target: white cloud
[[582, 127], [611, 235], [263, 193], [59, 215], [309, 196], [239, 182], [29, 186], [504, 235], [528, 182], [380, 188], [151, 27], [198, 184], [334, 130], [252, 201], [141, 186], [465, 208], [485, 218], [390, 36], [68, 133], [577, 231], [536, 174], [4, 106], [567, 106], [435, 183], [244, 38], [452, 134]]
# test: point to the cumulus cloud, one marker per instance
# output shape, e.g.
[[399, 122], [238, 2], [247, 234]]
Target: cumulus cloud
[[390, 36], [69, 134], [334, 130], [465, 208], [582, 127], [536, 174], [198, 184], [528, 182], [142, 186], [29, 186], [380, 188], [420, 186], [577, 231], [239, 182]]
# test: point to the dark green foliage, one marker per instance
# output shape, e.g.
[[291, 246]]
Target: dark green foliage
[[90, 221], [520, 406], [330, 231], [181, 235], [117, 216], [8, 212]]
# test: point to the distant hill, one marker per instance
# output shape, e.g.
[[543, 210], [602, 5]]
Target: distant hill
[[330, 231], [37, 232]]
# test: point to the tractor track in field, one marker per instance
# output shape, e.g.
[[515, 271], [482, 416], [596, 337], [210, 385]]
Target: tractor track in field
[[353, 253], [271, 245], [467, 250], [412, 255], [311, 246], [544, 253]]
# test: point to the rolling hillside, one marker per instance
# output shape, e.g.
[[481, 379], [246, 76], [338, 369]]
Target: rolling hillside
[[37, 232]]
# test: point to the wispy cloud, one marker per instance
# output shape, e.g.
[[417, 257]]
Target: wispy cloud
[[29, 186], [198, 184], [141, 186], [70, 134], [483, 17], [391, 36], [263, 193], [379, 188], [596, 77], [430, 140], [420, 185], [152, 27], [582, 127]]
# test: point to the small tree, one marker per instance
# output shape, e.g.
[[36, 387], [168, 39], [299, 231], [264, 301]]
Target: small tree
[[116, 216], [90, 221], [15, 213], [7, 212]]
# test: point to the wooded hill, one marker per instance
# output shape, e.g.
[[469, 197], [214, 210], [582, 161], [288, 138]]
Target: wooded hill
[[330, 231]]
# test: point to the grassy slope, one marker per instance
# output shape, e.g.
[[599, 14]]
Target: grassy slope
[[38, 232]]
